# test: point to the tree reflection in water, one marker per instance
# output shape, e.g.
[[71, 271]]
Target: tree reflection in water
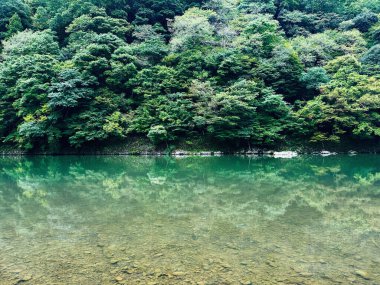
[[283, 217]]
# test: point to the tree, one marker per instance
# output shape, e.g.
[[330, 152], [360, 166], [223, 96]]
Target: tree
[[14, 26], [246, 112], [374, 33], [150, 46], [99, 120], [41, 19], [364, 21], [17, 10], [372, 56], [24, 100], [173, 112], [31, 43], [347, 108], [155, 81], [318, 49], [100, 23], [25, 76], [313, 79], [123, 70], [258, 34], [282, 71], [192, 29], [158, 134], [70, 88]]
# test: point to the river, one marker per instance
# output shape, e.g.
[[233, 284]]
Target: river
[[192, 220]]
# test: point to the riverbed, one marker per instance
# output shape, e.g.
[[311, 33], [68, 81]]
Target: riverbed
[[190, 220]]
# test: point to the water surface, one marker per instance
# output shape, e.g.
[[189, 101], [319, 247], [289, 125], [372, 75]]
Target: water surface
[[196, 220]]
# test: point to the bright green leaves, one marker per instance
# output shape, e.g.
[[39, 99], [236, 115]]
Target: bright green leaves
[[41, 19], [31, 43], [348, 107], [243, 112], [192, 29], [158, 134], [26, 80], [99, 120], [258, 34], [164, 118], [236, 72], [100, 24], [25, 75], [155, 81]]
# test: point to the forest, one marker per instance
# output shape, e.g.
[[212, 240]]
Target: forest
[[244, 73]]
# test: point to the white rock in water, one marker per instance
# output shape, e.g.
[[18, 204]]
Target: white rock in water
[[285, 154], [180, 153], [205, 153], [327, 153]]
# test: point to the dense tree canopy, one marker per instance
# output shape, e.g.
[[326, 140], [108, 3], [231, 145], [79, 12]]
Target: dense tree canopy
[[242, 73]]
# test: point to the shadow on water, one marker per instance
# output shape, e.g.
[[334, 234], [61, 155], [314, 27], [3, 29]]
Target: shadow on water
[[195, 220]]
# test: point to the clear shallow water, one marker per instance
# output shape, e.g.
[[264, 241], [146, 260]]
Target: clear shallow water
[[226, 220]]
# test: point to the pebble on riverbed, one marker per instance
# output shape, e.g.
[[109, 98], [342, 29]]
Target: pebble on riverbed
[[362, 274], [25, 278]]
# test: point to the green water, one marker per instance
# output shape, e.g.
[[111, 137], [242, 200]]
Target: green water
[[210, 220]]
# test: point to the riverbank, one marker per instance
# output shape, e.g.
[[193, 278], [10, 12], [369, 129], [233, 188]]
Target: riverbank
[[199, 147], [180, 152]]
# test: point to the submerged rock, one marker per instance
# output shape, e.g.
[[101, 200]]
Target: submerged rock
[[363, 274], [180, 153], [252, 152], [327, 153], [285, 154], [178, 273], [26, 277], [205, 153]]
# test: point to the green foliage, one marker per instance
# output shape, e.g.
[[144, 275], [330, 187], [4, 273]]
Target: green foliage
[[258, 34], [364, 21], [282, 71], [41, 19], [14, 16], [245, 111], [349, 106], [192, 29], [174, 112], [313, 79], [155, 81], [157, 134], [30, 43], [372, 56], [69, 89], [318, 49], [250, 72], [14, 26]]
